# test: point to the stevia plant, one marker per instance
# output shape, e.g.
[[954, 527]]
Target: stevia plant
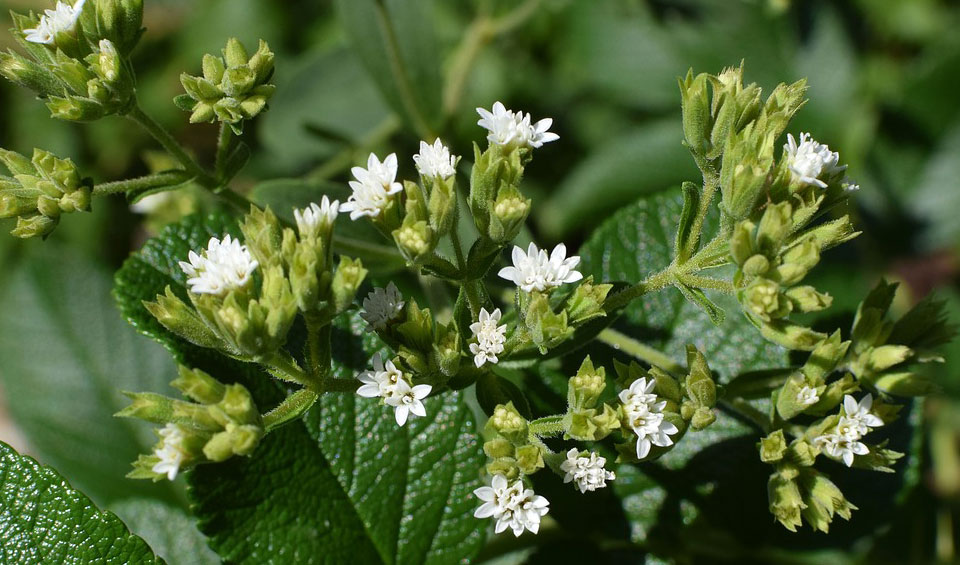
[[266, 312]]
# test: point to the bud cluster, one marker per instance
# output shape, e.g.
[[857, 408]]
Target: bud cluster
[[511, 449], [40, 190], [217, 422]]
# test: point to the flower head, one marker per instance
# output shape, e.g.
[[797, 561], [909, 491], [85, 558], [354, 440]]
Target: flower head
[[859, 415], [408, 400], [435, 160], [640, 394], [586, 469], [170, 451], [490, 337], [224, 266], [809, 161], [644, 411], [808, 396], [381, 306], [535, 271], [311, 219], [62, 19], [373, 187], [381, 381], [842, 446], [507, 127], [511, 505]]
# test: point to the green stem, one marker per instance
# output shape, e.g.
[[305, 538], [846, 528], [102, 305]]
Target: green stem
[[473, 297], [172, 147], [711, 181], [290, 409], [650, 284], [643, 352], [457, 247], [170, 179], [223, 149], [547, 426], [707, 282], [283, 366], [318, 346]]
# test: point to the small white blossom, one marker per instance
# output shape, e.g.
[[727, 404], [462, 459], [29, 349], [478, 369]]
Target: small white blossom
[[809, 160], [644, 411], [490, 337], [640, 394], [381, 381], [435, 160], [587, 472], [62, 19], [859, 415], [507, 127], [381, 306], [311, 219], [808, 396], [224, 266], [841, 446], [373, 187], [535, 271], [407, 400], [170, 452], [511, 506]]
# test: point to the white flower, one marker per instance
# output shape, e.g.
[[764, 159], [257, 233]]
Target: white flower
[[514, 128], [511, 506], [859, 414], [170, 452], [534, 270], [842, 446], [588, 472], [640, 396], [381, 381], [435, 160], [808, 396], [408, 400], [373, 187], [490, 337], [651, 429], [311, 219], [224, 266], [809, 160], [381, 306], [62, 19]]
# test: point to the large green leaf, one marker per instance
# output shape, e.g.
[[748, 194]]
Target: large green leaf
[[638, 241], [66, 355], [396, 43], [45, 520], [350, 486], [169, 531]]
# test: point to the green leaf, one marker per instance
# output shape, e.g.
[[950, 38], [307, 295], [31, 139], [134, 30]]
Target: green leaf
[[45, 520], [637, 242], [66, 356], [358, 487], [396, 43], [169, 531], [645, 160]]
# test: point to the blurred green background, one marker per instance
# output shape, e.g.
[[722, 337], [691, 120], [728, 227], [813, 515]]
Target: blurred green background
[[883, 78]]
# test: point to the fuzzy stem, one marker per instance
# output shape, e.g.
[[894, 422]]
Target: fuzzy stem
[[290, 409], [643, 352], [547, 426], [169, 179], [223, 149]]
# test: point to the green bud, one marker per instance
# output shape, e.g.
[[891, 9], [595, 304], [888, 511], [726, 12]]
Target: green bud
[[702, 418], [699, 385], [591, 425], [238, 404], [741, 242], [886, 356], [34, 226], [797, 261], [234, 440], [75, 109], [180, 319], [49, 207], [529, 459], [13, 204], [785, 501], [585, 388], [746, 164], [415, 239], [774, 226], [30, 75], [667, 387], [497, 167], [442, 204], [825, 357], [506, 466], [878, 459], [120, 21], [791, 336], [547, 328], [773, 447], [304, 278], [263, 235], [261, 63], [823, 500], [832, 233], [508, 214], [756, 266], [498, 447], [198, 386], [234, 53], [586, 302], [790, 401], [807, 299], [417, 329], [346, 282], [802, 453], [780, 107], [507, 422], [904, 383], [160, 409], [213, 69], [695, 103], [763, 300], [446, 350]]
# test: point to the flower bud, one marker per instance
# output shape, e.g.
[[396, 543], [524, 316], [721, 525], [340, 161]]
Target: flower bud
[[741, 242], [28, 74], [791, 336], [586, 302], [234, 440], [773, 447], [667, 387], [591, 425], [238, 405], [198, 386], [906, 383], [506, 466], [34, 226], [446, 350], [824, 359], [547, 328], [415, 239], [509, 212], [417, 330], [785, 501], [774, 226], [498, 447], [507, 422], [702, 418], [346, 282], [585, 388], [180, 319], [442, 204], [120, 21], [756, 266], [822, 500], [698, 384], [695, 103], [529, 459], [807, 299], [764, 300]]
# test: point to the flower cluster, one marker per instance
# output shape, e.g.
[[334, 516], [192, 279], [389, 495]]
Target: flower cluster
[[373, 187], [169, 452], [511, 505], [644, 412], [381, 306], [490, 337], [435, 160], [534, 271], [62, 19], [586, 470], [388, 383], [809, 160], [510, 128], [224, 266], [855, 422], [316, 218]]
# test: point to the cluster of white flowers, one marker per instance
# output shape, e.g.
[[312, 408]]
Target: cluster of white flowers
[[373, 188], [490, 337], [855, 422], [535, 271], [507, 127], [386, 381], [435, 160], [646, 416], [381, 306], [511, 505], [808, 396], [313, 217], [809, 160], [224, 266], [586, 470], [170, 451], [62, 19]]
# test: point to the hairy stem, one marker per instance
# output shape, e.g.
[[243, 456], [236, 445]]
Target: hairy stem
[[652, 283], [547, 426], [223, 149], [641, 351], [169, 179], [290, 409]]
